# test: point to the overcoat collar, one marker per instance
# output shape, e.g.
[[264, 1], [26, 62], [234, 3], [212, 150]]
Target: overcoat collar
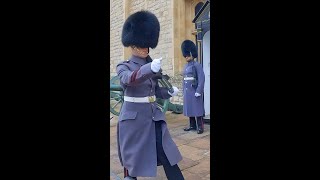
[[139, 60]]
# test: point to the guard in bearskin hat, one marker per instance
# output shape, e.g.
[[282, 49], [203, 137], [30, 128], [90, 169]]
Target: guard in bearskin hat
[[193, 84], [143, 137]]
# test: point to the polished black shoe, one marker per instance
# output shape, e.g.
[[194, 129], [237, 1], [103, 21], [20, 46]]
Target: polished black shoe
[[189, 129], [200, 131]]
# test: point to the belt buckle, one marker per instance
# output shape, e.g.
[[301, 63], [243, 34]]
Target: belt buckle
[[151, 99]]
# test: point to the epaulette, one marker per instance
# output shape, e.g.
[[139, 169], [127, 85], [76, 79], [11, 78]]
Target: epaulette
[[126, 61]]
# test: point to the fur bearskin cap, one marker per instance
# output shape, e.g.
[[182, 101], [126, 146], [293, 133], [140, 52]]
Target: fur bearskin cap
[[188, 46], [141, 29]]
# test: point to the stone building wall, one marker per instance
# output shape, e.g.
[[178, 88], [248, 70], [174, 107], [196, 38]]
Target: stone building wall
[[176, 80], [116, 22]]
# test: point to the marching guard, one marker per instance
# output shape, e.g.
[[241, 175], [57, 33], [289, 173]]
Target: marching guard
[[143, 138]]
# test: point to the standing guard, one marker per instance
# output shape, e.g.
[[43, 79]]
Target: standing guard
[[193, 86]]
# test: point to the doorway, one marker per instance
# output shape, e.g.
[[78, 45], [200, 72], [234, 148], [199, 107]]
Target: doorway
[[206, 69]]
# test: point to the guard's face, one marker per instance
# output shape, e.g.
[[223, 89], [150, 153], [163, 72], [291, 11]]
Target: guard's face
[[189, 58], [141, 52]]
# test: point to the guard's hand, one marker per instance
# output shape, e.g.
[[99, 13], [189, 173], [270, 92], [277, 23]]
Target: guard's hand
[[175, 91], [197, 94], [156, 65]]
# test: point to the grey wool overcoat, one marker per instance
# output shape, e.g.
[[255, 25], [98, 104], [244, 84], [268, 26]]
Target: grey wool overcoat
[[136, 126], [193, 106]]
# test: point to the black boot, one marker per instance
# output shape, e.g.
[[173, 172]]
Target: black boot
[[200, 125], [192, 124]]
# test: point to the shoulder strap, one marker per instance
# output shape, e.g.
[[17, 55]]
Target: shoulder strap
[[124, 63]]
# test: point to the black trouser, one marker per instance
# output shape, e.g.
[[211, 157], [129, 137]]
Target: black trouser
[[199, 123], [172, 172]]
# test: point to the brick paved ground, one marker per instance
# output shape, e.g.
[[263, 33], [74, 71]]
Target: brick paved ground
[[194, 148]]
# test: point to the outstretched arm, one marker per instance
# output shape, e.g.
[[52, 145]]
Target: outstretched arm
[[133, 78]]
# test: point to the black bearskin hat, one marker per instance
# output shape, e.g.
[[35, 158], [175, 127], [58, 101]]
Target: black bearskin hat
[[188, 47], [141, 29]]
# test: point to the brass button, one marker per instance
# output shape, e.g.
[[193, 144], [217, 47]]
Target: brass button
[[151, 99]]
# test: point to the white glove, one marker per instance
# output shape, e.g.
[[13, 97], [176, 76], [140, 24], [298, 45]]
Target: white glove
[[175, 91], [156, 65], [197, 94]]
